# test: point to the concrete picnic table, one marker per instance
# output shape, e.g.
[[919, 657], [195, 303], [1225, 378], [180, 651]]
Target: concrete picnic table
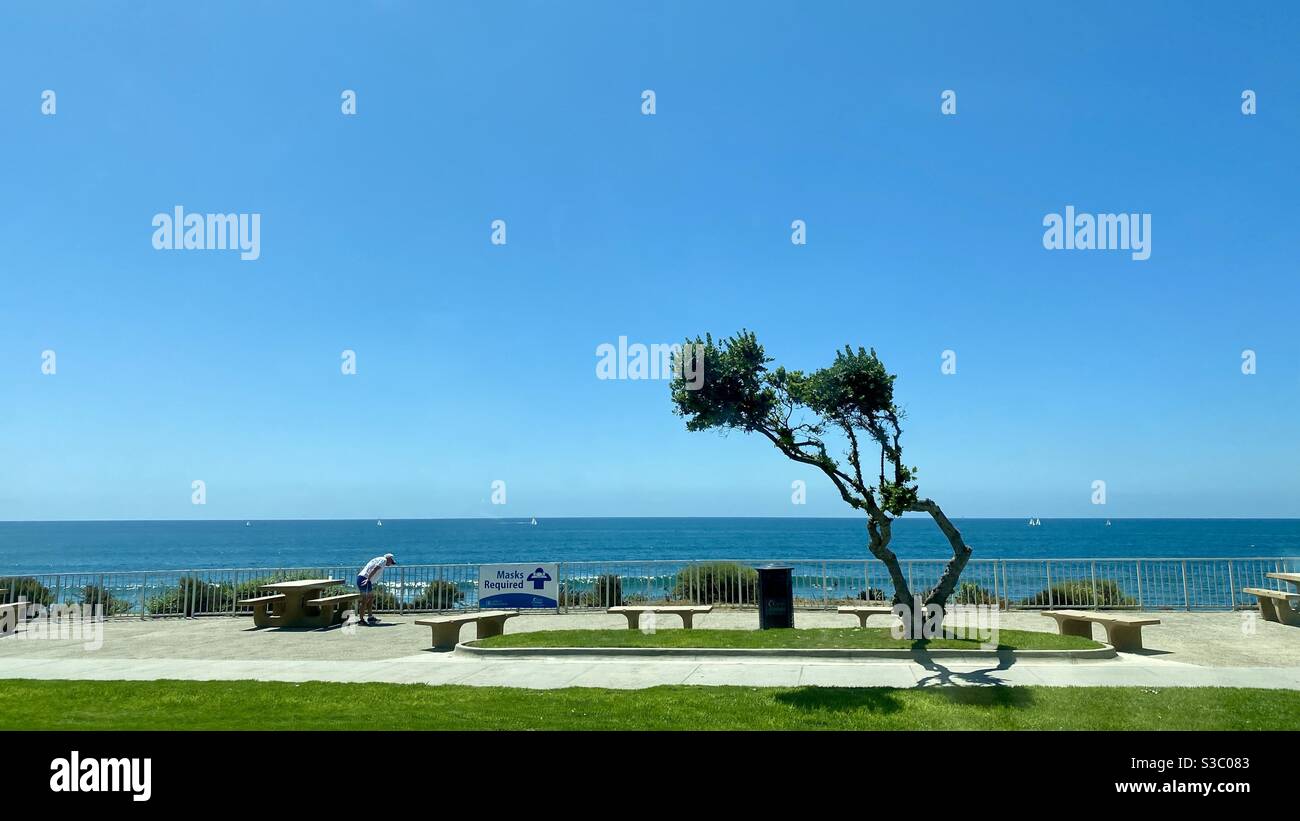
[[298, 603], [1278, 605]]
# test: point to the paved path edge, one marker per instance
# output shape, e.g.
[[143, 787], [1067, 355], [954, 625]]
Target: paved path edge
[[1106, 651]]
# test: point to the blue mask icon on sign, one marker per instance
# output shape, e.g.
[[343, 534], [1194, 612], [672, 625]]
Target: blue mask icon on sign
[[539, 578]]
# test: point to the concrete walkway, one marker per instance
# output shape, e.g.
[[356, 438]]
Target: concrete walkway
[[1184, 649], [553, 673]]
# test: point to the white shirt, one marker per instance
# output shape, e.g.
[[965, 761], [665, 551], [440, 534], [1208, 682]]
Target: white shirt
[[375, 565]]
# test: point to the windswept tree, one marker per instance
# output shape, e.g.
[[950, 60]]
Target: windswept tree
[[851, 400]]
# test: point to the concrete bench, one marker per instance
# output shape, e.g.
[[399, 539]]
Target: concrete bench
[[265, 607], [264, 600], [1122, 632], [1275, 605], [330, 600], [446, 629], [863, 612], [333, 607], [687, 612]]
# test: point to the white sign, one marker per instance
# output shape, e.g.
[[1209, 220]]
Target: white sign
[[519, 586]]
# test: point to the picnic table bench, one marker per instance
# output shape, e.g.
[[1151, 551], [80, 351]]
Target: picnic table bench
[[864, 611], [633, 612], [333, 601], [1275, 605], [298, 603], [446, 629], [1122, 632]]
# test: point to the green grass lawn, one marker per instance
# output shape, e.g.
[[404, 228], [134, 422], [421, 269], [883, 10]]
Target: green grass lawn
[[841, 637], [239, 705]]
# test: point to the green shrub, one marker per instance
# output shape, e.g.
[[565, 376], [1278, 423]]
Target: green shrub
[[608, 591], [717, 583], [94, 594], [437, 595], [573, 596], [966, 593], [972, 593], [1078, 593], [193, 595], [569, 597], [26, 587], [605, 591], [251, 589], [384, 599]]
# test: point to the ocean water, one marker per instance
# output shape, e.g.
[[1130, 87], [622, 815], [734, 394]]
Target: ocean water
[[53, 547]]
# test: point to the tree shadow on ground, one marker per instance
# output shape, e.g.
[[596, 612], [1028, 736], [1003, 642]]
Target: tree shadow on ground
[[941, 676], [979, 688], [995, 696], [843, 699]]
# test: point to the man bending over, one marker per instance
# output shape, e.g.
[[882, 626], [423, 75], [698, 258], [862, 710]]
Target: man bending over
[[366, 580]]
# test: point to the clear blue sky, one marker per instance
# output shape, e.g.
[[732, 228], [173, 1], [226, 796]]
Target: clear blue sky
[[477, 362]]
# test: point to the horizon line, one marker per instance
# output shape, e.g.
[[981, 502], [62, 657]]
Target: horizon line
[[915, 515]]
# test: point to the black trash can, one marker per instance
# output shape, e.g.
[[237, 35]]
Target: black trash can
[[775, 596]]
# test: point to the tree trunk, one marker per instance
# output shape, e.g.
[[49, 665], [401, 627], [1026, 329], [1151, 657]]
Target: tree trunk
[[881, 531], [960, 553]]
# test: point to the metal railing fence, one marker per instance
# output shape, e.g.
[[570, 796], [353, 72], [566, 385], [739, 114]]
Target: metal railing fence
[[1138, 584]]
